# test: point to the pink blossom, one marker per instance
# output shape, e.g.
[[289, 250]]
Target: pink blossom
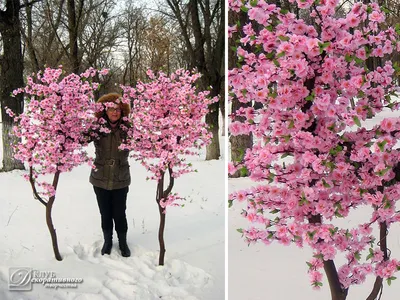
[[314, 160], [231, 168], [389, 124]]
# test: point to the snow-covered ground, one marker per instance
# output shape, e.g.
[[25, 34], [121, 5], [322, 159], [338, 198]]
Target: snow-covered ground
[[276, 272], [194, 235]]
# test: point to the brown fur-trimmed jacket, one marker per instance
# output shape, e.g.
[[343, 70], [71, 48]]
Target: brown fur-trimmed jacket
[[112, 167]]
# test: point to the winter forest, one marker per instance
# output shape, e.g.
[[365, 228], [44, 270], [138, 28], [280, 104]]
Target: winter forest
[[124, 36]]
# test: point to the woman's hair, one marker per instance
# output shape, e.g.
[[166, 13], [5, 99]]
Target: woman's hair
[[112, 97]]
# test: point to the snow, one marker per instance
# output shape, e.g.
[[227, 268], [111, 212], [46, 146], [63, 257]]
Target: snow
[[280, 272], [194, 236]]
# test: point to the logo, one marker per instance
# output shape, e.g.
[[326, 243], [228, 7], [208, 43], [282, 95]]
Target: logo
[[20, 279]]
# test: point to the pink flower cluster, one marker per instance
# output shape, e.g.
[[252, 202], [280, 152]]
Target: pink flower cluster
[[315, 159], [167, 122], [57, 122]]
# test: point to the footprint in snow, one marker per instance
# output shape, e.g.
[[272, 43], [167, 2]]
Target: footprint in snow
[[140, 278]]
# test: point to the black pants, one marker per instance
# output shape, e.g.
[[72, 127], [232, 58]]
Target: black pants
[[112, 205]]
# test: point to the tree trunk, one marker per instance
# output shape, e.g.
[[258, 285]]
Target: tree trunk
[[73, 36], [195, 27], [337, 293], [49, 220], [222, 109], [213, 149], [163, 194], [29, 38], [199, 61], [160, 192], [378, 285], [239, 144], [223, 77], [11, 64]]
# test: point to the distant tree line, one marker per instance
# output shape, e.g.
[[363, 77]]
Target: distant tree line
[[123, 36]]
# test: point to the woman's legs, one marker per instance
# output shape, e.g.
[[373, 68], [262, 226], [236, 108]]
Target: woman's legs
[[118, 209], [104, 200], [119, 216], [112, 206]]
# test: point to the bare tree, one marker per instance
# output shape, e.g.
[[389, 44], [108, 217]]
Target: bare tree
[[239, 144], [151, 41], [58, 28], [202, 26], [158, 40], [11, 65], [99, 40], [73, 28], [133, 25], [41, 37]]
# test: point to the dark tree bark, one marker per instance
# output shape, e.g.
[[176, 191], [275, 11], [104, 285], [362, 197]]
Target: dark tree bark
[[239, 144], [49, 206], [337, 293], [163, 194], [49, 220], [206, 53], [222, 105], [378, 285], [73, 35], [29, 39], [11, 78]]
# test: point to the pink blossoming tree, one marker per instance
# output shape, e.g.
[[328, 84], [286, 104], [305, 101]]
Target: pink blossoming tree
[[53, 130], [313, 156], [166, 124]]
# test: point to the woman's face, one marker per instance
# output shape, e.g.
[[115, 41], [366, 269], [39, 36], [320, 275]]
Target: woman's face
[[113, 114]]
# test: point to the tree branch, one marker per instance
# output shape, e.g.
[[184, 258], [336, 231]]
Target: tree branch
[[57, 24], [35, 193], [29, 39], [215, 10], [333, 279], [55, 29], [178, 15], [29, 3], [378, 285], [171, 183]]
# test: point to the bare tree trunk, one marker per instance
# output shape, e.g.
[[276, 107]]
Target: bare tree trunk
[[163, 194], [160, 193], [239, 144], [213, 149], [29, 39], [222, 108], [205, 54], [49, 219], [49, 207], [378, 285], [73, 36], [199, 60], [337, 293], [11, 65]]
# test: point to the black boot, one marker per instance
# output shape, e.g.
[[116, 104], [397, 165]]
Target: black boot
[[123, 246], [107, 242]]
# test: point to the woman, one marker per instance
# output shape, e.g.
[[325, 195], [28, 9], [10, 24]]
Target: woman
[[111, 178]]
